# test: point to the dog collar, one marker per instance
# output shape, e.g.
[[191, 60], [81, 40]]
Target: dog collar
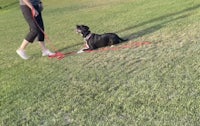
[[87, 37]]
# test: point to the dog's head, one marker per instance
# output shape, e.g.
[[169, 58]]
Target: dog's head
[[83, 30]]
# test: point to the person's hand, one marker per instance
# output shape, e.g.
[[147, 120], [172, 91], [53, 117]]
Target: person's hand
[[34, 12], [41, 7]]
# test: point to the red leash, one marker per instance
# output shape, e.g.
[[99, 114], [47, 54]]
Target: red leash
[[124, 46]]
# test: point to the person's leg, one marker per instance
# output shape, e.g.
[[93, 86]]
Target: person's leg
[[41, 36], [24, 44], [42, 45], [45, 51], [31, 35]]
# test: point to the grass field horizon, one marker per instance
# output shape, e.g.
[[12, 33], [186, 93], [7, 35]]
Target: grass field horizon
[[151, 85]]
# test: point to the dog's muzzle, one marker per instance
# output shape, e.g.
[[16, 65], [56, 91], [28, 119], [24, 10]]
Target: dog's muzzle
[[78, 31]]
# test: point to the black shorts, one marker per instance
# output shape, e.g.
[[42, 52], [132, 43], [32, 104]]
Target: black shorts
[[34, 29]]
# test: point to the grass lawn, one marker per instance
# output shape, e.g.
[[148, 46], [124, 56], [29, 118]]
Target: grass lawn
[[152, 85]]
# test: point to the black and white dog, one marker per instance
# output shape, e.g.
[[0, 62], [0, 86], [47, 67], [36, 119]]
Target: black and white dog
[[94, 41]]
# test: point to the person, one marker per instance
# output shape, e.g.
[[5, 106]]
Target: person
[[31, 10]]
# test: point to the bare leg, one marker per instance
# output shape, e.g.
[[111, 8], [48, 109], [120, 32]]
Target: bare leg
[[42, 45], [24, 44]]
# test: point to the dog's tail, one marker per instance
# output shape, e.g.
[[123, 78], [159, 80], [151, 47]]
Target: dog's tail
[[123, 39]]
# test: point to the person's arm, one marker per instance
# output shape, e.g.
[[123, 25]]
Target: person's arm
[[28, 3]]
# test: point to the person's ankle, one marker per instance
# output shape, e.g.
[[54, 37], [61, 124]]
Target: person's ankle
[[47, 52]]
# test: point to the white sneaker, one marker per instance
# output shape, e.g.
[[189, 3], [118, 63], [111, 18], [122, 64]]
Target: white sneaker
[[47, 53], [22, 54]]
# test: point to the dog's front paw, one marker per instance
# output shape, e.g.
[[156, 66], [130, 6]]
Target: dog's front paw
[[80, 51]]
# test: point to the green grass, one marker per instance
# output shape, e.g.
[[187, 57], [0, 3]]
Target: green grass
[[153, 85], [7, 3]]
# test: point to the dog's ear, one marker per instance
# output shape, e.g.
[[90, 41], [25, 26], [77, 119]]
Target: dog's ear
[[86, 28]]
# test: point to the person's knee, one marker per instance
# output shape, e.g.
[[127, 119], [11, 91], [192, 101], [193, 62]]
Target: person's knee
[[34, 31], [31, 35]]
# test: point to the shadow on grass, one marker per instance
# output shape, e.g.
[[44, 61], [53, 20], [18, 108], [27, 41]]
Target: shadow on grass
[[70, 47], [159, 25], [152, 28], [8, 5]]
